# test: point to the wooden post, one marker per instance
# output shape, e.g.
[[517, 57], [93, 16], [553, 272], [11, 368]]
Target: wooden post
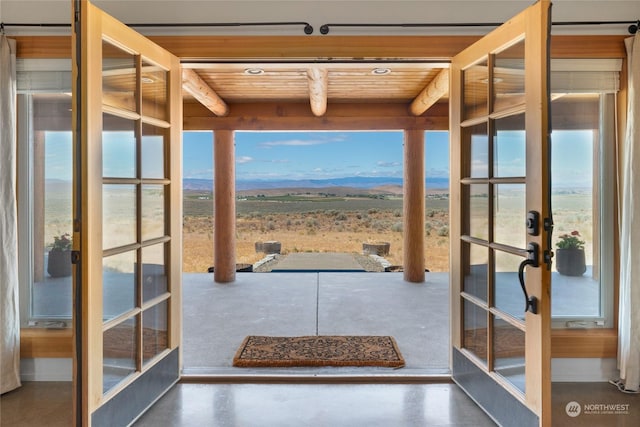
[[413, 205], [224, 239]]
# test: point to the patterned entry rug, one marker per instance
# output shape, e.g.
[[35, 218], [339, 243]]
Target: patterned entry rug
[[260, 351]]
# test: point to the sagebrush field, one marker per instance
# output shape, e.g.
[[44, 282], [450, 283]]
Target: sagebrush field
[[313, 222]]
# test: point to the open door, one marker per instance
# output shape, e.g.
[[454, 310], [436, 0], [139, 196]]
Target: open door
[[501, 220], [127, 216]]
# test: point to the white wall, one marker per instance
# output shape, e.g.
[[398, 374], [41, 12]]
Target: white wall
[[319, 12], [46, 369]]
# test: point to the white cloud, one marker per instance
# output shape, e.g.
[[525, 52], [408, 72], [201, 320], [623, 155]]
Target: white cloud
[[301, 142], [244, 159], [389, 164]]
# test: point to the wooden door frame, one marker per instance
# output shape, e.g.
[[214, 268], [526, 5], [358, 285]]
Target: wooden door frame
[[538, 326], [93, 27]]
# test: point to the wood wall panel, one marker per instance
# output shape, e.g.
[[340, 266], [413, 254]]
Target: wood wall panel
[[334, 47], [565, 343], [36, 343]]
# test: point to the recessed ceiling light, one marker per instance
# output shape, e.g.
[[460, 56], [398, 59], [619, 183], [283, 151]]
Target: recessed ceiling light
[[253, 71], [380, 71]]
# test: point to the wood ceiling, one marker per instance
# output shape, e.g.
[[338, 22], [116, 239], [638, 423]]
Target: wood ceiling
[[416, 84]]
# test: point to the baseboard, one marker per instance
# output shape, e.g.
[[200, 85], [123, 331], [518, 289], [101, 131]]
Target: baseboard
[[46, 369], [565, 370]]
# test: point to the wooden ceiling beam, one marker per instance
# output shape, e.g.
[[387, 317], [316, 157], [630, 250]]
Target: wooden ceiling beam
[[200, 90], [297, 116], [318, 88], [436, 89]]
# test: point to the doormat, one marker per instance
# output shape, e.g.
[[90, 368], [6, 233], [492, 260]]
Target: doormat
[[278, 352]]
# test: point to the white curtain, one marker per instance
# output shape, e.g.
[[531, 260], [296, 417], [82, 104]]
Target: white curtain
[[9, 307], [629, 322]]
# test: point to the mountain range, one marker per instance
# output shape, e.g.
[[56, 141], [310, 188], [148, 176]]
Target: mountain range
[[352, 181]]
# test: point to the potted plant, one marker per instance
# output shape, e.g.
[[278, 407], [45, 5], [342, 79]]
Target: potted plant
[[570, 254], [59, 261]]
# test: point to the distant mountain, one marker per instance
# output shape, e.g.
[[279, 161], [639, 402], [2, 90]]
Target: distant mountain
[[197, 184], [361, 182]]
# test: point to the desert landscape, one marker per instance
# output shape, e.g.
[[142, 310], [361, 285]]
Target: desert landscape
[[324, 219], [336, 219]]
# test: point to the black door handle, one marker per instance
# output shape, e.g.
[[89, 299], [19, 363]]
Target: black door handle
[[531, 303]]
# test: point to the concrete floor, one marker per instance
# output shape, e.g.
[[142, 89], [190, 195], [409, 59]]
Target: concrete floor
[[220, 316], [49, 403], [217, 317]]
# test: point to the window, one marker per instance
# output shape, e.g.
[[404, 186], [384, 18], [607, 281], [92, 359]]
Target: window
[[583, 179], [45, 192], [582, 172]]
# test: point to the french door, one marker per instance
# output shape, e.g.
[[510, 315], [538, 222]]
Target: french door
[[501, 222], [127, 216]]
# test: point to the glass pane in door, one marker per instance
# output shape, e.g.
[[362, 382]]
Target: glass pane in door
[[119, 349], [153, 214], [508, 295], [509, 147], [509, 205], [478, 211], [475, 279], [153, 162], [508, 352], [119, 215], [475, 90], [118, 147], [119, 78], [154, 272], [476, 138], [153, 81], [154, 331], [119, 290], [474, 338], [508, 77]]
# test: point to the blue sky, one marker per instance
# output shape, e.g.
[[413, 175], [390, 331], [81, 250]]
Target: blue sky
[[313, 155], [318, 155]]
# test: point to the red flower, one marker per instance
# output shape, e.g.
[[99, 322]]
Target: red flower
[[575, 233]]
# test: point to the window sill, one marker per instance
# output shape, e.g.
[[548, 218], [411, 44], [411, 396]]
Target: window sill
[[39, 342]]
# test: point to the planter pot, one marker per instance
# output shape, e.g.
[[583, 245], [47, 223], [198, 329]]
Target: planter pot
[[269, 247], [377, 248], [570, 262], [59, 263]]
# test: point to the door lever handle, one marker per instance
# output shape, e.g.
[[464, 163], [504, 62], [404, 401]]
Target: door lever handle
[[531, 303]]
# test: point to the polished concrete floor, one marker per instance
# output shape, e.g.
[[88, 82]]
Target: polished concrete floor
[[217, 317], [440, 404]]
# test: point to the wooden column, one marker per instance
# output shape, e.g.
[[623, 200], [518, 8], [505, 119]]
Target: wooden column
[[413, 205], [224, 240]]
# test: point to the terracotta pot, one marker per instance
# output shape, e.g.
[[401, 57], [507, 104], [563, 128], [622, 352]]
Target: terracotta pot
[[59, 263], [570, 262]]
